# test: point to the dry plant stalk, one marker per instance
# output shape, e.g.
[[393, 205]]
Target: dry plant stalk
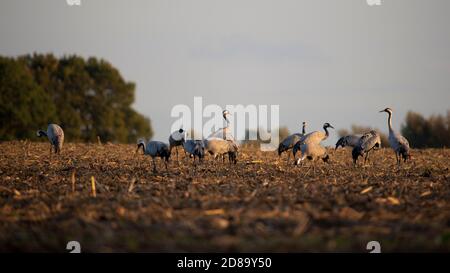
[[73, 181], [131, 186], [94, 192]]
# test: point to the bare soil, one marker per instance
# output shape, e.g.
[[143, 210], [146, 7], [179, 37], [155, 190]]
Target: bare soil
[[260, 204]]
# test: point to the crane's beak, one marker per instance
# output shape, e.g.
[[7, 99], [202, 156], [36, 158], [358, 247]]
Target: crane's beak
[[331, 127], [382, 111]]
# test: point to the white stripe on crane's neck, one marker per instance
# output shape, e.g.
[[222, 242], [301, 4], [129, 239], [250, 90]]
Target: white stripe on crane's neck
[[177, 136], [226, 121]]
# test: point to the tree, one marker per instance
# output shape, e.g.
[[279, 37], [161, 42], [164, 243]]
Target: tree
[[24, 105], [432, 132], [90, 98]]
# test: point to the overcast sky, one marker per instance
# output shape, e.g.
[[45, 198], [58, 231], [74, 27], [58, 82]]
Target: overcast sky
[[337, 61]]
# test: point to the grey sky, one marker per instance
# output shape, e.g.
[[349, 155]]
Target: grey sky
[[337, 61]]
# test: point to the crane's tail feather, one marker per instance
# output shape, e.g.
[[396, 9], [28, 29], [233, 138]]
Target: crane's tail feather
[[405, 153], [282, 148]]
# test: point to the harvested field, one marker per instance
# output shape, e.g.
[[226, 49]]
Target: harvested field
[[260, 204]]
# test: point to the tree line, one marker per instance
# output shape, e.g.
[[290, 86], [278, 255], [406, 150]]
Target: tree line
[[87, 97]]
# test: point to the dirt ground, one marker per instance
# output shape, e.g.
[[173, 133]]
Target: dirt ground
[[260, 204]]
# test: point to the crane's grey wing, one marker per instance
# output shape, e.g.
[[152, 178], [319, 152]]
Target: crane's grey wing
[[189, 146], [60, 135], [353, 140], [55, 134], [289, 142], [403, 141], [151, 148], [372, 143]]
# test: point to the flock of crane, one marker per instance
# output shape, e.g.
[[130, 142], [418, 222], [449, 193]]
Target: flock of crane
[[221, 144]]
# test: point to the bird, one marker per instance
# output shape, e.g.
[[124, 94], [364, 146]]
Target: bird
[[220, 147], [232, 154], [349, 140], [223, 132], [289, 142], [312, 151], [55, 135], [176, 139], [398, 143], [155, 149], [314, 137], [366, 143], [194, 148]]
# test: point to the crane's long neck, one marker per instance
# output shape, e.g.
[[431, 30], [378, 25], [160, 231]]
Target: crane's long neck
[[227, 122], [225, 129], [326, 132], [304, 129], [142, 144], [390, 121], [42, 133]]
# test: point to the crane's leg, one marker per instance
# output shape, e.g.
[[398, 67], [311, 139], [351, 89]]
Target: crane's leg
[[51, 148], [216, 159], [154, 165], [300, 161], [366, 158], [176, 148], [289, 158], [165, 163]]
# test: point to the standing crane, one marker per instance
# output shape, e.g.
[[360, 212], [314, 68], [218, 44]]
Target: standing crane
[[155, 149], [312, 151], [224, 132], [55, 135], [398, 143], [220, 147], [349, 140], [176, 139], [366, 143], [195, 148], [314, 137], [289, 142]]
